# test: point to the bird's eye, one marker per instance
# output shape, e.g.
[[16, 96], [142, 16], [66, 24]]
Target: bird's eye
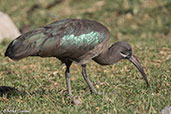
[[129, 49]]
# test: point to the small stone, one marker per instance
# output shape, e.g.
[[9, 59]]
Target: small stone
[[76, 101], [166, 110]]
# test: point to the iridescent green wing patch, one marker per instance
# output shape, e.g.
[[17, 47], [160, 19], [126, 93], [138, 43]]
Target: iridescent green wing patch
[[92, 38]]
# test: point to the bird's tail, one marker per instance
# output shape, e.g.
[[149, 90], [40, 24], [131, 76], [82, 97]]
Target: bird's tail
[[27, 44]]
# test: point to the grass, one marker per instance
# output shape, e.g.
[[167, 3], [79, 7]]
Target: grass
[[145, 24]]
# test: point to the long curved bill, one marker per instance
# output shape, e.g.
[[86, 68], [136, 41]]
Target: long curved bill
[[135, 61]]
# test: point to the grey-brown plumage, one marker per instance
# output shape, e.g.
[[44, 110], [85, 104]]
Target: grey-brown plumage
[[71, 40]]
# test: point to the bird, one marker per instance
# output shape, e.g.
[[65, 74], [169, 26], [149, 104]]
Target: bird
[[73, 40]]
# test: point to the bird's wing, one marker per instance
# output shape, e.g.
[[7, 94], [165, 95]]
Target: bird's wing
[[75, 37], [65, 38]]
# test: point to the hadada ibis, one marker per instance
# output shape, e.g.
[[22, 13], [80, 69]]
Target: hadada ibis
[[71, 40]]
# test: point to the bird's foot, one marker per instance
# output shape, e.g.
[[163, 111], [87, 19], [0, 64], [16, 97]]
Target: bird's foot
[[70, 96], [97, 93]]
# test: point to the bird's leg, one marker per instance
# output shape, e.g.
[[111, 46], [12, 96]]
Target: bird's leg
[[86, 78], [67, 77]]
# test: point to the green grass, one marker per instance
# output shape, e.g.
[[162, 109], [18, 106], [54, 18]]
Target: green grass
[[146, 26]]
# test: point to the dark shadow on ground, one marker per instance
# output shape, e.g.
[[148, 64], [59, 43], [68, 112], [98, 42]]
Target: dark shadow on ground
[[9, 91]]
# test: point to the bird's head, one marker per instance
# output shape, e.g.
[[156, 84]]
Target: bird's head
[[125, 52]]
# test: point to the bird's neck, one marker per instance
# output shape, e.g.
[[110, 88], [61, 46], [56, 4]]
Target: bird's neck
[[108, 57]]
